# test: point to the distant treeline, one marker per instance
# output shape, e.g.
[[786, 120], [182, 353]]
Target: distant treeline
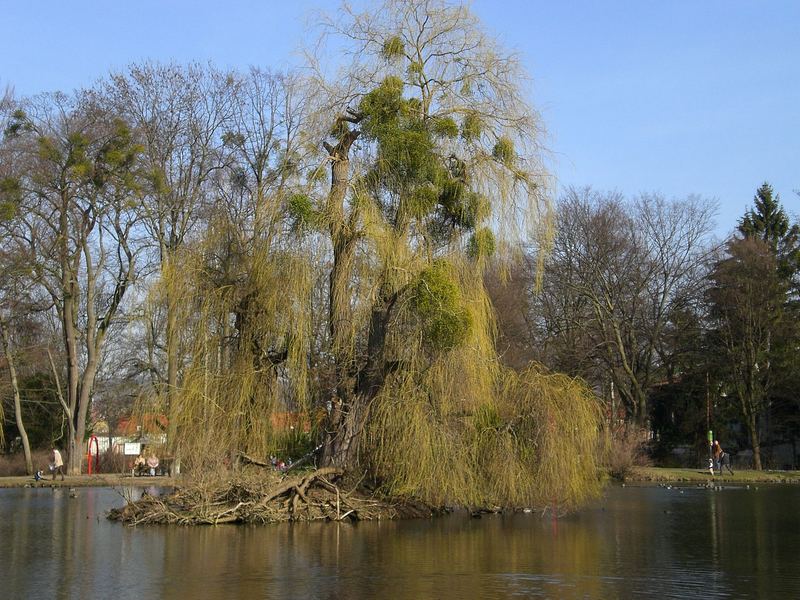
[[674, 330]]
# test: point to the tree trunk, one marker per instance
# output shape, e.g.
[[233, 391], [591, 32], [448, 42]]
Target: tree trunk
[[352, 412], [26, 447], [345, 406], [755, 442], [84, 402], [64, 406], [642, 415], [173, 346], [69, 316], [342, 444]]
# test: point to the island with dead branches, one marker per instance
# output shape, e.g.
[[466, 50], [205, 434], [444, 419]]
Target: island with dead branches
[[256, 497]]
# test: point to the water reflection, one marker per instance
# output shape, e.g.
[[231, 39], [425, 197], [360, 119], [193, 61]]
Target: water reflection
[[637, 542]]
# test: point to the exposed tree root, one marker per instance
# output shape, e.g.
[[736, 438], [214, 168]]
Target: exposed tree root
[[256, 498]]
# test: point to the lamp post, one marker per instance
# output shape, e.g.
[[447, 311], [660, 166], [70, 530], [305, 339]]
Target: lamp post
[[708, 428]]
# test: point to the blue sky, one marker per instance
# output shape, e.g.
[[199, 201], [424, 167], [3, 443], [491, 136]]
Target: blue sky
[[677, 97]]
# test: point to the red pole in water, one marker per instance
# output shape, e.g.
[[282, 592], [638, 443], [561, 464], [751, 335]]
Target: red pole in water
[[96, 454]]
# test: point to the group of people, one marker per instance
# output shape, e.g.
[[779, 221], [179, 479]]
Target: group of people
[[56, 466], [144, 465], [141, 465], [720, 458]]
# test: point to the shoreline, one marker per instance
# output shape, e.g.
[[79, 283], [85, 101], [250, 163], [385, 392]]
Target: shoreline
[[645, 475], [637, 475], [100, 480]]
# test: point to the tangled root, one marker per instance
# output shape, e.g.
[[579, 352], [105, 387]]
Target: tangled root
[[259, 498]]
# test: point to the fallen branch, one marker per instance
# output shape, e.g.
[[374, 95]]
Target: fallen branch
[[254, 461]]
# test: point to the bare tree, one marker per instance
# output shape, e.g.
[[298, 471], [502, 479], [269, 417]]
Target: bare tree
[[77, 181], [12, 372], [616, 273], [510, 290], [179, 114], [15, 303]]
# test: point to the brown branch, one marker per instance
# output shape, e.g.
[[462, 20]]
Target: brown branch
[[254, 461]]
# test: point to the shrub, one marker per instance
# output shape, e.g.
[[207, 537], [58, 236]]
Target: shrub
[[110, 462], [626, 448], [13, 465]]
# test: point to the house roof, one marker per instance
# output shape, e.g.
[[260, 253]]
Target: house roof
[[143, 424]]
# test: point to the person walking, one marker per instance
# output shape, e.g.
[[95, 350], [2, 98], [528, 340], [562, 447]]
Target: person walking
[[721, 457], [58, 463]]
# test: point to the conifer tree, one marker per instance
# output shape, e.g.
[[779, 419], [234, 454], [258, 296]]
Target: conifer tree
[[768, 221]]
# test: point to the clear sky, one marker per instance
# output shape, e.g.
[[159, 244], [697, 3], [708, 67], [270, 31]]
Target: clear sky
[[670, 96]]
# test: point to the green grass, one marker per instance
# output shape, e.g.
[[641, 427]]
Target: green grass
[[658, 474]]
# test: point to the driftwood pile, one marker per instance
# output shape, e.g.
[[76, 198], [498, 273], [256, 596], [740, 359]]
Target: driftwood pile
[[264, 498]]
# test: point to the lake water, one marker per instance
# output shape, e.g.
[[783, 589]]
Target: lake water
[[638, 542]]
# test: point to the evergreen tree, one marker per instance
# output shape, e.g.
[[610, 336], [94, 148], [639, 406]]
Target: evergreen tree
[[746, 301], [768, 221]]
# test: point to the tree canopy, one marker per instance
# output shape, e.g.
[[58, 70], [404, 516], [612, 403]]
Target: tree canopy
[[288, 262]]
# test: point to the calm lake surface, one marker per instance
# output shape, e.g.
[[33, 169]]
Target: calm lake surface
[[638, 542]]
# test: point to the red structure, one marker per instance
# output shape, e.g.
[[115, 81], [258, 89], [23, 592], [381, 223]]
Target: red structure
[[93, 439]]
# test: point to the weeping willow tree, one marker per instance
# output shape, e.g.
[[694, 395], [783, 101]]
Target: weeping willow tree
[[247, 352], [431, 168], [434, 168], [239, 291]]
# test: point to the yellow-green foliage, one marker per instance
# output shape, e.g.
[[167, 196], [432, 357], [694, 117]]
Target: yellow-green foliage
[[456, 427], [445, 127], [415, 68], [405, 145], [438, 303], [503, 151], [48, 150], [10, 195], [381, 106], [18, 123], [466, 208], [481, 244], [393, 48], [301, 210], [558, 420], [231, 397], [471, 127], [158, 181], [422, 200], [119, 150], [77, 161]]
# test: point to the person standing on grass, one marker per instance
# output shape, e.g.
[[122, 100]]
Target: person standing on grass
[[58, 463], [721, 457]]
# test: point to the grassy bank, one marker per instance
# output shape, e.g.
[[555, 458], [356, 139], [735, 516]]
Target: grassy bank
[[663, 475], [636, 474]]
